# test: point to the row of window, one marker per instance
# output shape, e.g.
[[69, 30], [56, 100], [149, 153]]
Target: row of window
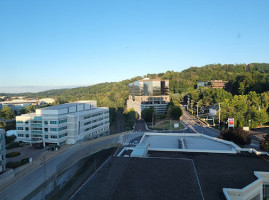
[[22, 135], [36, 129], [93, 121], [36, 122], [58, 129], [62, 121], [46, 136], [40, 129], [95, 115], [45, 122], [95, 126]]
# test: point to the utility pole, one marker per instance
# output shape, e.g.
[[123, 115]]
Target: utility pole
[[191, 107], [170, 125], [152, 120], [197, 110], [219, 117], [188, 102]]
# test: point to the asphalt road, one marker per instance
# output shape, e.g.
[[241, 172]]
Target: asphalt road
[[194, 125], [29, 182]]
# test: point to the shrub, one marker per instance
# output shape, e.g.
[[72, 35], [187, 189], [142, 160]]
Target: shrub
[[264, 145], [10, 139], [13, 145], [14, 165], [238, 136], [162, 116], [13, 154]]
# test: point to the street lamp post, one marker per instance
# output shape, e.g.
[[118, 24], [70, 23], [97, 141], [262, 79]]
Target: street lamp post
[[219, 117]]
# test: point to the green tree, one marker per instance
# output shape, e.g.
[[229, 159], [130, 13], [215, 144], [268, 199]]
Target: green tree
[[238, 136], [175, 112], [149, 113], [30, 109], [130, 117], [241, 88], [264, 145], [6, 113]]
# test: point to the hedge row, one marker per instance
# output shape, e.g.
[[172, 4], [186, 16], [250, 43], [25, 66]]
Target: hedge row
[[14, 165], [13, 154]]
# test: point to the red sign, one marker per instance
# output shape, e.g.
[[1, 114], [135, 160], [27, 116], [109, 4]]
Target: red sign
[[230, 122]]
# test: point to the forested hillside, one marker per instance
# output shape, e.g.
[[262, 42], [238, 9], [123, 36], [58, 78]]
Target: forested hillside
[[242, 79]]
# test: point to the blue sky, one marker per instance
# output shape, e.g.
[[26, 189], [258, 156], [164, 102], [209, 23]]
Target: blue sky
[[63, 42]]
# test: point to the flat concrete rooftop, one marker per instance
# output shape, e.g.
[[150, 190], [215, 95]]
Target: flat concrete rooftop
[[192, 142]]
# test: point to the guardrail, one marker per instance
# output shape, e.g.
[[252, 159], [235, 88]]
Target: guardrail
[[4, 175]]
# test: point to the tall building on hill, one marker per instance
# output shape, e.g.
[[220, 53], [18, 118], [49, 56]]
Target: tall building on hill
[[148, 93], [212, 84], [2, 151], [63, 124]]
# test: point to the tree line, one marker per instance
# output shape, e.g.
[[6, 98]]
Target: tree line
[[238, 99]]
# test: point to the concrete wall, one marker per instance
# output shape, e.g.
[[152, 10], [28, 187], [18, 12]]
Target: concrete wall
[[251, 191], [65, 173]]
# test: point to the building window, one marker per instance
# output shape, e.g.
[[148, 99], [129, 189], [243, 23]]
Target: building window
[[53, 129], [53, 122], [19, 128], [27, 135], [37, 129], [46, 129], [45, 122], [27, 128], [63, 128], [53, 136], [46, 137], [62, 121], [19, 122], [37, 122], [20, 135]]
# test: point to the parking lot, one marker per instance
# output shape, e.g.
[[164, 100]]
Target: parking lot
[[26, 151]]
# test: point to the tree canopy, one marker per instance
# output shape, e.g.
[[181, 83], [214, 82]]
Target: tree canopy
[[6, 113]]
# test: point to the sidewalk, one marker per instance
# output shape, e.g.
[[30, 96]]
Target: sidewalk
[[20, 172]]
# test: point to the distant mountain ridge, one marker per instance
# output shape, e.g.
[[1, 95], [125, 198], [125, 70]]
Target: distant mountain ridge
[[31, 89]]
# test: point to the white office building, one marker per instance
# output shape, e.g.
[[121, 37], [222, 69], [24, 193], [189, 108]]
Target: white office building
[[64, 124]]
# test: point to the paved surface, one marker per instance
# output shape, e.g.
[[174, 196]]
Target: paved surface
[[39, 171], [140, 125], [195, 125], [26, 151]]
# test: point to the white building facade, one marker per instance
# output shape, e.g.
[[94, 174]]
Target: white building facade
[[64, 124]]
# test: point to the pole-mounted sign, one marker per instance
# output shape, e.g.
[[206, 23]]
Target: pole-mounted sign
[[230, 122]]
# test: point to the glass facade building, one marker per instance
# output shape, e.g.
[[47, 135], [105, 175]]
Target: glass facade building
[[149, 88], [148, 93]]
